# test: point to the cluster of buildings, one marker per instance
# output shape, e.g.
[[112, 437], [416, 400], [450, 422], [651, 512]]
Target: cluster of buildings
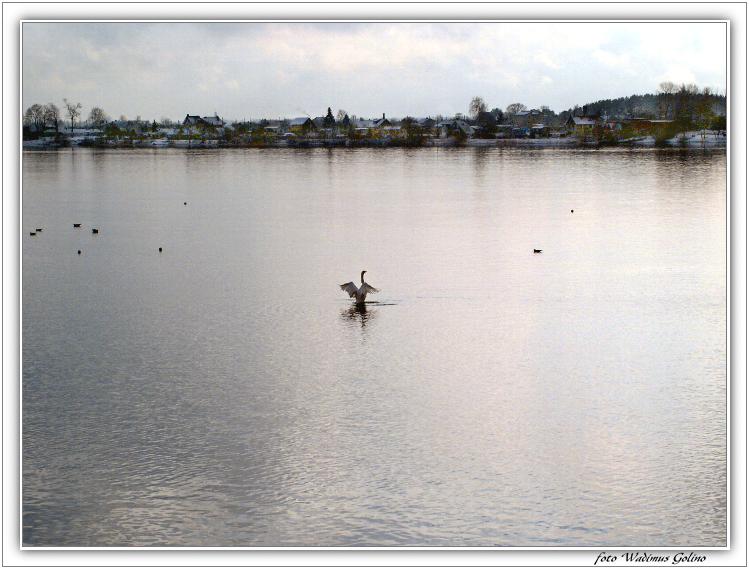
[[485, 127]]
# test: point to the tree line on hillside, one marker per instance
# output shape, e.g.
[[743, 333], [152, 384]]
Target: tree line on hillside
[[686, 105], [670, 102]]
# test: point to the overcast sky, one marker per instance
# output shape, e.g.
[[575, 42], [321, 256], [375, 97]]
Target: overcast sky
[[251, 70]]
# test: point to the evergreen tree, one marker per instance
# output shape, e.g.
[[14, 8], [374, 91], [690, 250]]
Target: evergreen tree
[[329, 119]]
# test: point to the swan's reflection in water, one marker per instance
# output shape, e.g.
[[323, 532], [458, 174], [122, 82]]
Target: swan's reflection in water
[[358, 313]]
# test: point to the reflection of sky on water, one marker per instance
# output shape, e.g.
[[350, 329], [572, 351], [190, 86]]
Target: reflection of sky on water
[[226, 392]]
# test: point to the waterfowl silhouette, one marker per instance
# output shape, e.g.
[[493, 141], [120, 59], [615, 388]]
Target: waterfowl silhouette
[[94, 231], [32, 233], [359, 293], [537, 250], [76, 225]]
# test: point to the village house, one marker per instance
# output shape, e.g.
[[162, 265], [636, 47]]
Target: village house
[[273, 129], [391, 131], [195, 124], [196, 120], [486, 120], [455, 127], [526, 119], [372, 127], [540, 130], [485, 125], [428, 126], [302, 125], [427, 123], [581, 126], [383, 122]]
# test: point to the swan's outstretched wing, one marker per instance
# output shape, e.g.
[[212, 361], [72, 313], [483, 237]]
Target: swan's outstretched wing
[[349, 288], [369, 289]]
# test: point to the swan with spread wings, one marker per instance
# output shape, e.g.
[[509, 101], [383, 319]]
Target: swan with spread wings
[[361, 292]]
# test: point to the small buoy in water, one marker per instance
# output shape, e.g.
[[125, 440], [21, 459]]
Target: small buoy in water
[[537, 250], [185, 203], [76, 225], [79, 251], [159, 249], [94, 231], [32, 233]]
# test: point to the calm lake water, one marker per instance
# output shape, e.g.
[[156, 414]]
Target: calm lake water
[[225, 391]]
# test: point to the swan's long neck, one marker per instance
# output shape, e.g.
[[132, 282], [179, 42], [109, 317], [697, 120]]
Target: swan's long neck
[[362, 276]]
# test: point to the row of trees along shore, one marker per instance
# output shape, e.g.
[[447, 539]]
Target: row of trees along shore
[[682, 107], [50, 116]]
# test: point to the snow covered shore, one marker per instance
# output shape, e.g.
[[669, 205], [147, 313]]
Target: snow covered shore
[[693, 139]]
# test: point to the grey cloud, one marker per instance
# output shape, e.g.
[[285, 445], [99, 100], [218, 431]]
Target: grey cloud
[[271, 69]]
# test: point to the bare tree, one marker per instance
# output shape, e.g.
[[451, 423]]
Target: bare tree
[[52, 115], [666, 92], [340, 115], [98, 117], [34, 116], [74, 111], [667, 87], [515, 108], [476, 106]]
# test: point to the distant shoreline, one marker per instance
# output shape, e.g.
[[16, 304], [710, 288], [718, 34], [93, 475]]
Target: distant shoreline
[[507, 144], [688, 141]]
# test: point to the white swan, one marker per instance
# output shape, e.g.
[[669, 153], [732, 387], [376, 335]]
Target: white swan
[[361, 292]]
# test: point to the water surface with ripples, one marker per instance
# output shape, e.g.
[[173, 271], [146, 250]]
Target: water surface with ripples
[[226, 392]]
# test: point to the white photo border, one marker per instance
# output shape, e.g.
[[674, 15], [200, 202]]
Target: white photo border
[[14, 13]]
